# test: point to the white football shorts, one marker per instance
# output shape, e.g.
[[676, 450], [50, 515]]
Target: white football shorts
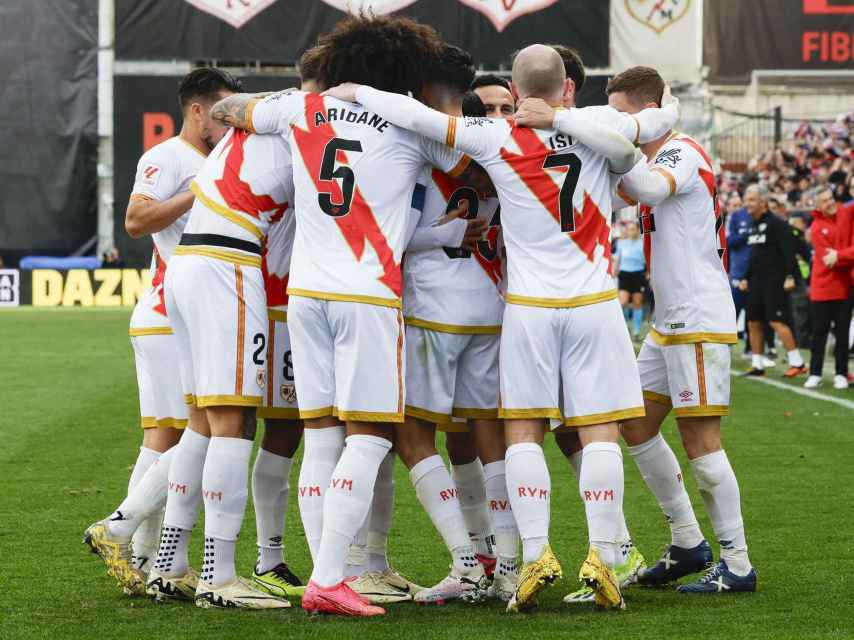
[[218, 310], [350, 358], [449, 374], [280, 395], [691, 378], [573, 365], [161, 401]]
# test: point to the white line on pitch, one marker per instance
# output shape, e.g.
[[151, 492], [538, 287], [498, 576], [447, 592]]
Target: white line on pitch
[[800, 391]]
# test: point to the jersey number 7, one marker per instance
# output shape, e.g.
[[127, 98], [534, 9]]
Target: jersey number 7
[[328, 171], [567, 189]]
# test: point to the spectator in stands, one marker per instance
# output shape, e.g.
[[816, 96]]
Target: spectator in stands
[[630, 265], [771, 275], [737, 231], [832, 234]]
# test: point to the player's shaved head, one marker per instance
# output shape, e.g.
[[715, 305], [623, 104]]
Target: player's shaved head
[[538, 72]]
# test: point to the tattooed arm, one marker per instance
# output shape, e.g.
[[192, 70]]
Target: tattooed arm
[[236, 110]]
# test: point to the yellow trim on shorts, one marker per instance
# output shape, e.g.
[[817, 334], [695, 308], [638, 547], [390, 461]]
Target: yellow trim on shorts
[[240, 259], [370, 416], [658, 398], [458, 329], [228, 401], [277, 315], [521, 414], [323, 412], [601, 418], [475, 414], [453, 427], [561, 303], [135, 332], [425, 414], [708, 410], [278, 413], [148, 422], [190, 399], [346, 297], [692, 338], [225, 212]]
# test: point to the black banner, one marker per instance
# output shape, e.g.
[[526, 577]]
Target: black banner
[[280, 31], [48, 115], [740, 37], [146, 112]]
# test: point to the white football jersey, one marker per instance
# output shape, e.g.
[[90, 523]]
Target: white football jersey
[[244, 187], [555, 207], [163, 172], [451, 289], [277, 260], [686, 249], [354, 175]]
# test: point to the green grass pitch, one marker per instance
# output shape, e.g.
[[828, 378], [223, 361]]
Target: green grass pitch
[[69, 434]]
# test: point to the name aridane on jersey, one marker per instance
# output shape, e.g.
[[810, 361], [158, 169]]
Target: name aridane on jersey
[[244, 186], [685, 245], [556, 208], [163, 172], [452, 289], [354, 175]]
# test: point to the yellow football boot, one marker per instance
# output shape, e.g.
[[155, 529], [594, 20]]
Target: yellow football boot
[[116, 554], [534, 577], [596, 575]]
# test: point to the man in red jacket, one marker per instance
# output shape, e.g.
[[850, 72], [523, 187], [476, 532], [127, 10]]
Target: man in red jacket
[[832, 234]]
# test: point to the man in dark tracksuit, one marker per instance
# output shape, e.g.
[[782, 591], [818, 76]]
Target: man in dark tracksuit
[[770, 277]]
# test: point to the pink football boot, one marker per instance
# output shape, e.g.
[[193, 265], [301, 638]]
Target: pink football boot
[[338, 600]]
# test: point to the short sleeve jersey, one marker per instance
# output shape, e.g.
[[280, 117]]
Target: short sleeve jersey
[[163, 172], [244, 187], [685, 244], [452, 289], [555, 207], [354, 176]]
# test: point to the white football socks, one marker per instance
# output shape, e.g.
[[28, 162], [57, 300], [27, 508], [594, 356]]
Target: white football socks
[[471, 491], [624, 538], [380, 516], [357, 555], [438, 496], [225, 490], [185, 480], [719, 490], [346, 504], [172, 560], [601, 488], [322, 450], [795, 359], [270, 489], [144, 501], [660, 470], [501, 513], [529, 487], [144, 542]]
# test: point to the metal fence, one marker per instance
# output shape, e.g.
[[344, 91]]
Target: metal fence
[[755, 134]]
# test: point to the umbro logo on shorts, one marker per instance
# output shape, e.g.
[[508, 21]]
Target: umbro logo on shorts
[[686, 396]]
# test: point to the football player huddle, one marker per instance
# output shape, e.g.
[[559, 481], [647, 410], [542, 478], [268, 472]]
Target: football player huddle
[[280, 291]]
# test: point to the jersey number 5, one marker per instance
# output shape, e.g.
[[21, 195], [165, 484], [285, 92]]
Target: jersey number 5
[[328, 171], [567, 189]]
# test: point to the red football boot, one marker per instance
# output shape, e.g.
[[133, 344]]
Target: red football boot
[[338, 600]]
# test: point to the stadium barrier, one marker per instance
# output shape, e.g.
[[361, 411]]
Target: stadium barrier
[[73, 287]]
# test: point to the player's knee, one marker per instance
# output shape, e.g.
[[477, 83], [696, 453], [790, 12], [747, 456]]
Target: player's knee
[[282, 437], [568, 442], [461, 447]]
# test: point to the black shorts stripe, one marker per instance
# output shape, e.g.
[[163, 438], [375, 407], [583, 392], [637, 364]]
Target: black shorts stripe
[[215, 240]]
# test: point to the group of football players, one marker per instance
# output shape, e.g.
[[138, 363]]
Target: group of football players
[[280, 291]]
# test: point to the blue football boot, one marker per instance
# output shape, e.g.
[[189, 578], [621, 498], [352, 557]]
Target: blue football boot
[[719, 579], [676, 563]]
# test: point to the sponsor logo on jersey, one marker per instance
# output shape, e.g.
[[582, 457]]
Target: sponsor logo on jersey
[[234, 12], [668, 158], [150, 175], [658, 14]]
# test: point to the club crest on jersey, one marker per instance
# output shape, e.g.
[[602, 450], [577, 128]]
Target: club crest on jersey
[[150, 175], [261, 378], [503, 12], [234, 12], [657, 14], [288, 393]]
